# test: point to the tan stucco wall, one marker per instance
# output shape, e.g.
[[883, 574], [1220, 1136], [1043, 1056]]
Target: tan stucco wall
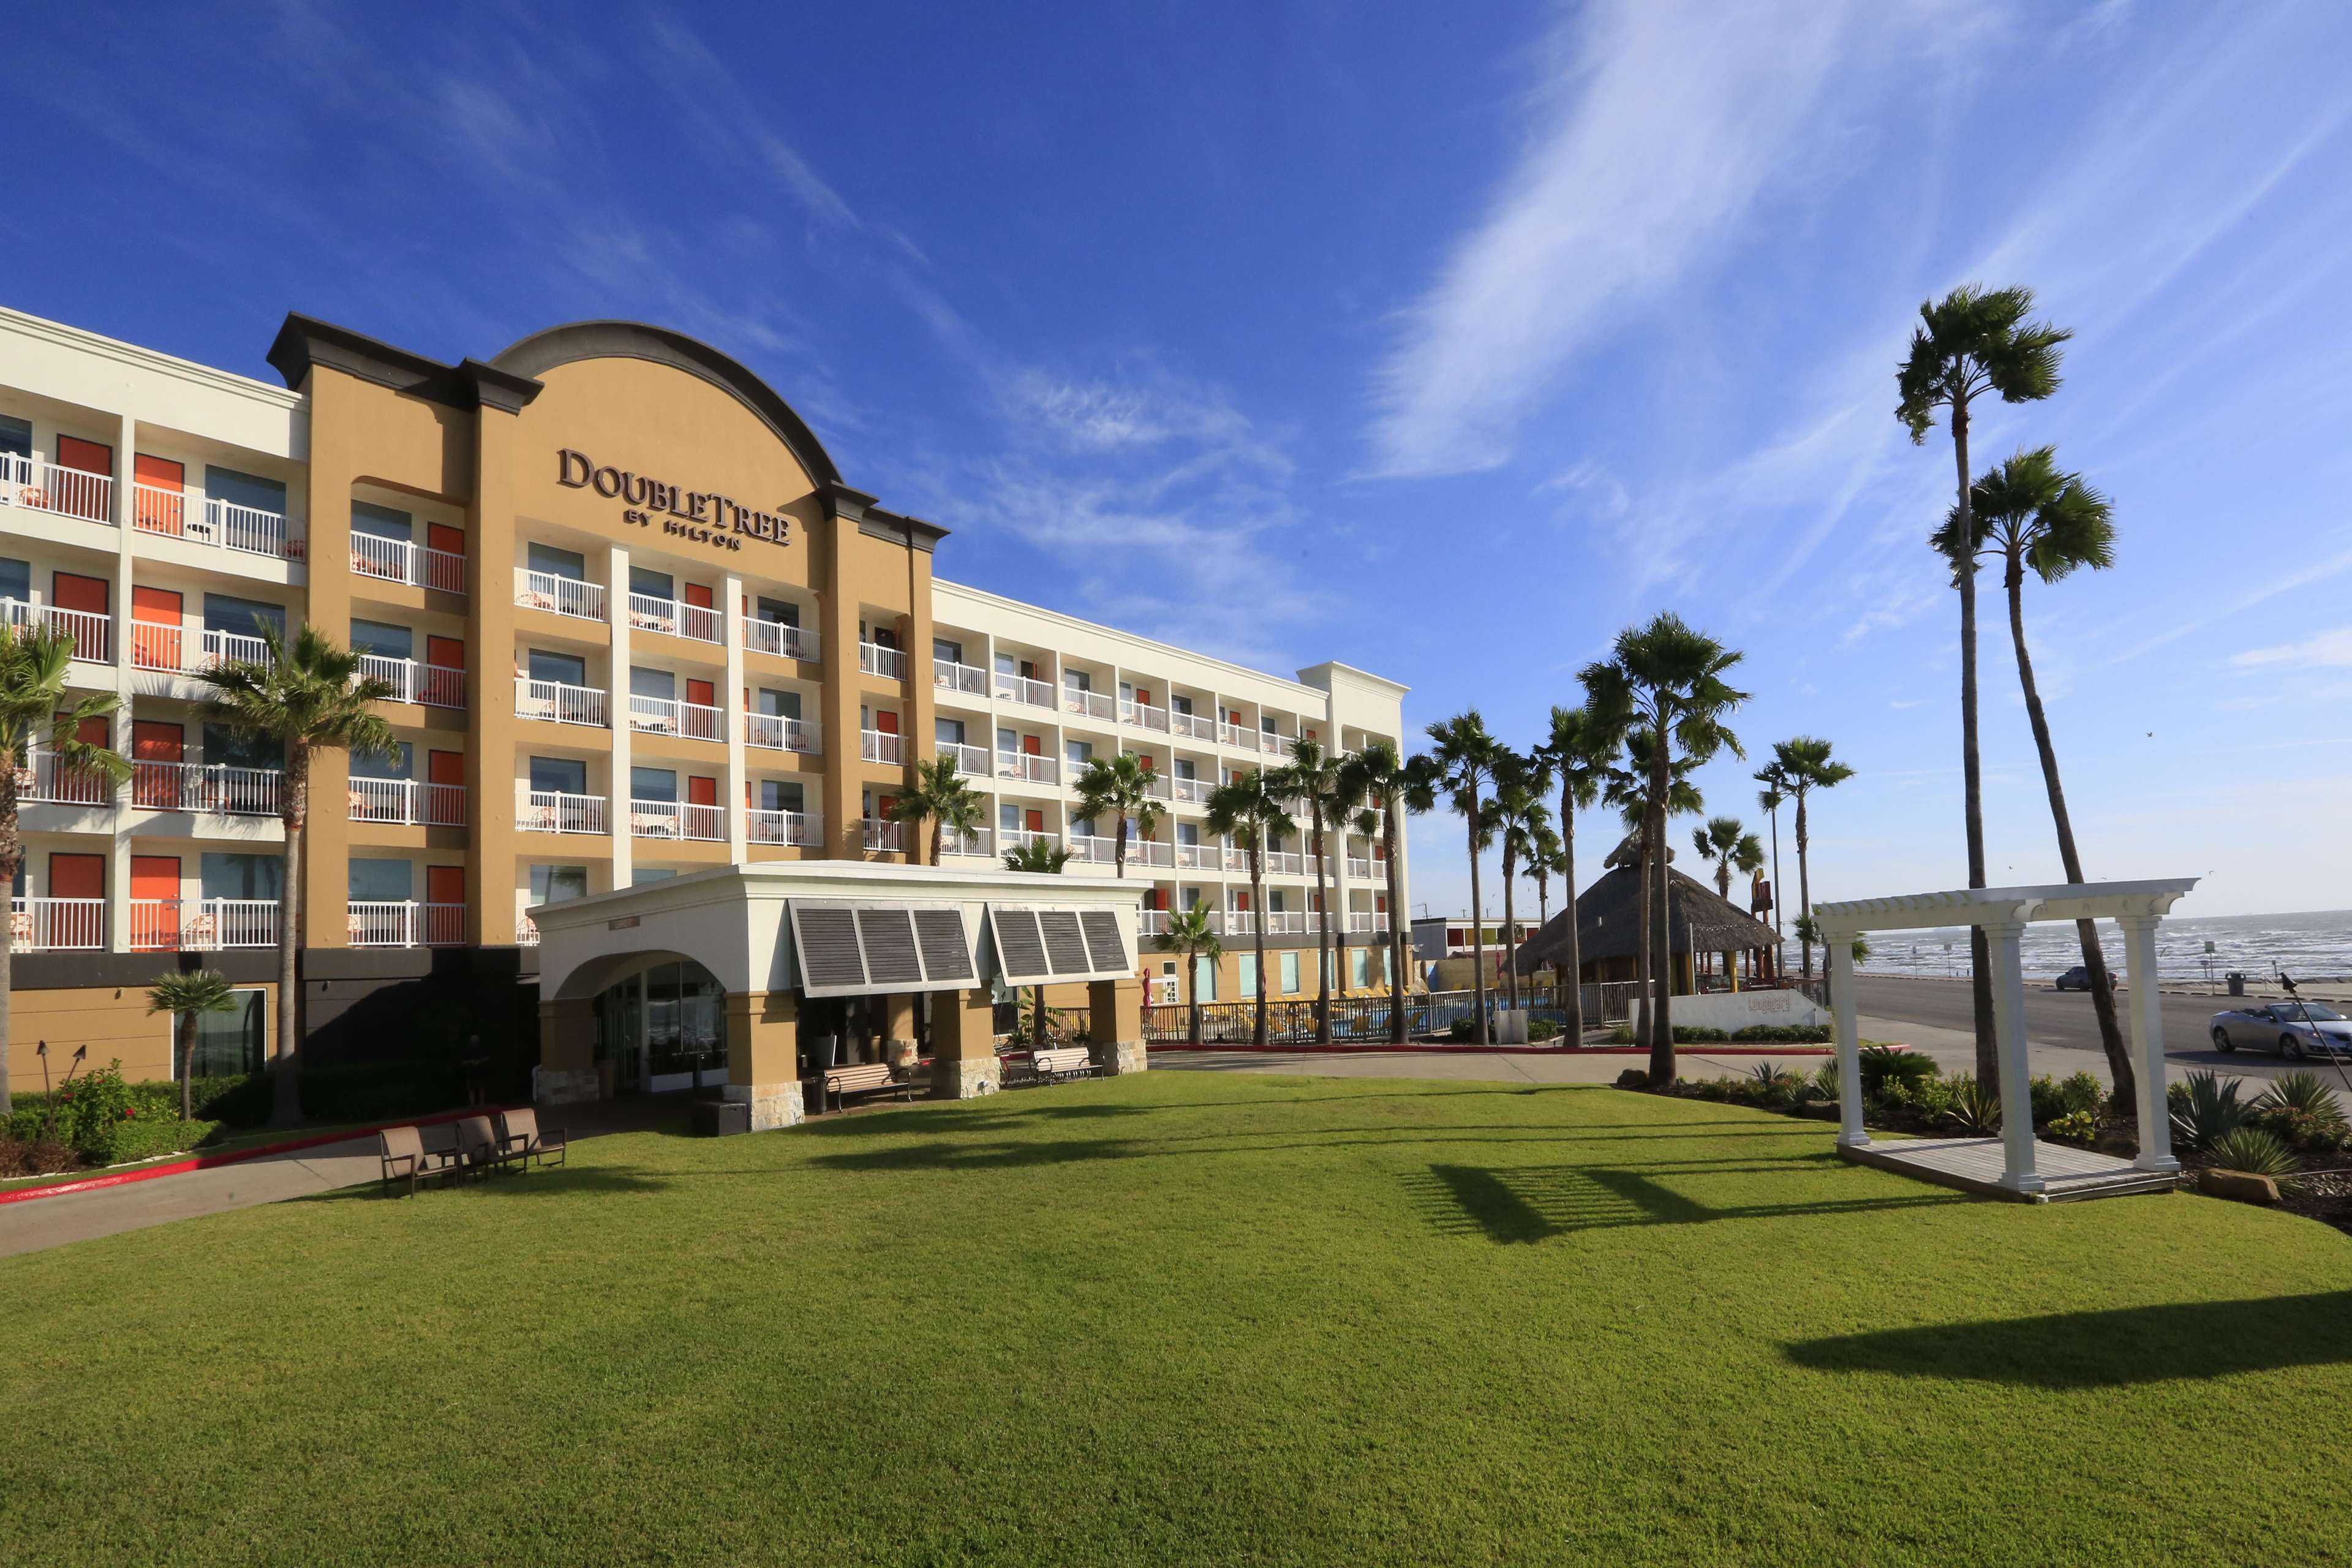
[[113, 1021]]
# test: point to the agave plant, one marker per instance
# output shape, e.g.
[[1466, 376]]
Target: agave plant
[[2205, 1109], [2258, 1154], [1881, 1063], [1972, 1107], [2303, 1111]]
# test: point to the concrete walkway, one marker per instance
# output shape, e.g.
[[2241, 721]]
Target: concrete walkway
[[32, 1224]]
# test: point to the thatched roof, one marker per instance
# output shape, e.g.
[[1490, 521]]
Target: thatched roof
[[1608, 922]]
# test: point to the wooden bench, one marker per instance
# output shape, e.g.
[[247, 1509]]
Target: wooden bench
[[1070, 1061], [862, 1078]]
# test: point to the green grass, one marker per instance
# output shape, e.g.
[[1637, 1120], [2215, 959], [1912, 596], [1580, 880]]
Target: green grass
[[1186, 1318]]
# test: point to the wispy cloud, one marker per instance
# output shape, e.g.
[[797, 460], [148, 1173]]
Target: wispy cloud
[[2324, 650]]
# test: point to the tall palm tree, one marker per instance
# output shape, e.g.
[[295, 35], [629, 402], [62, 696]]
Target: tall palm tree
[[1806, 763], [1248, 809], [1192, 937], [1520, 815], [2033, 516], [1671, 675], [1973, 341], [1393, 785], [308, 696], [185, 993], [1584, 740], [1771, 798], [1120, 786], [34, 664], [1626, 786], [1313, 778], [1727, 842], [1467, 758], [941, 795], [1046, 857]]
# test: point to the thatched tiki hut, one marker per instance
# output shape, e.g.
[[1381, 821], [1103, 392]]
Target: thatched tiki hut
[[1732, 946]]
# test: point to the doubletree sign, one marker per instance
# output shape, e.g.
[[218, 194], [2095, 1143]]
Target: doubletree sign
[[699, 517]]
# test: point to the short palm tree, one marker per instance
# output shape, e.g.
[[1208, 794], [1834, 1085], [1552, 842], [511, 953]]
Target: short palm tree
[[1974, 341], [1043, 856], [183, 994], [1808, 765], [1726, 842], [1546, 861], [1670, 675], [1249, 809], [1521, 820], [34, 664], [1769, 800], [2035, 517], [307, 695], [1119, 787], [1192, 936], [1392, 786], [940, 795], [1582, 743], [1314, 779], [1467, 758]]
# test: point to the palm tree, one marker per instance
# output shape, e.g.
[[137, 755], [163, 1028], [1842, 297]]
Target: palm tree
[[1671, 675], [1808, 765], [1043, 856], [185, 993], [1520, 817], [941, 795], [1726, 841], [1248, 809], [1583, 742], [1467, 758], [1120, 787], [1627, 787], [308, 696], [1771, 798], [1313, 778], [1545, 860], [34, 665], [1973, 341], [1393, 785], [2034, 516], [1192, 937]]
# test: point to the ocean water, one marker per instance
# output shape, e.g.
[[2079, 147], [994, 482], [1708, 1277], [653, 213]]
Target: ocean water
[[2316, 944]]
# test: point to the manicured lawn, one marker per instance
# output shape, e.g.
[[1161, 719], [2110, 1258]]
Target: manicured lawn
[[1187, 1318]]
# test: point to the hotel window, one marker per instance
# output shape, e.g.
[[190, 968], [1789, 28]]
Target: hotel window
[[1204, 979], [556, 884], [249, 490], [1077, 680], [1178, 704], [563, 668], [1247, 968], [653, 783], [227, 1043], [551, 562], [640, 875], [1008, 741], [655, 683], [1080, 752], [1185, 768], [779, 704], [16, 437], [1191, 898], [382, 521], [381, 640], [224, 747], [559, 776], [948, 732], [17, 580], [1361, 962], [778, 612], [1008, 818], [1189, 833], [1289, 974], [367, 765], [254, 877], [651, 583], [1084, 827], [382, 881], [242, 617], [945, 651], [778, 794]]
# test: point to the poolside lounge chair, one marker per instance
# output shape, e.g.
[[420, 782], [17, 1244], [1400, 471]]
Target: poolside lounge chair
[[404, 1156], [478, 1145], [521, 1140]]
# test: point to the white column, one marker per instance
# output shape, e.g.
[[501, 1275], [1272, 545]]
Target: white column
[[617, 708], [731, 703], [2146, 1008], [2008, 1030], [1852, 1134], [126, 466]]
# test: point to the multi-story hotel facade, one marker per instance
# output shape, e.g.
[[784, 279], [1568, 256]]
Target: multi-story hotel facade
[[637, 624]]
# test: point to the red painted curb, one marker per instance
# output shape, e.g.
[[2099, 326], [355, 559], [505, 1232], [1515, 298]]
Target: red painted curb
[[236, 1156], [1513, 1050]]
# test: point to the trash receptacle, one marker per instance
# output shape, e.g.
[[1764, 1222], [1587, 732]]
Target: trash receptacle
[[721, 1118], [2237, 980]]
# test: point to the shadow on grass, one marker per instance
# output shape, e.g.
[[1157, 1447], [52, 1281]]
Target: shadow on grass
[[554, 1183], [1531, 1204], [2112, 1349]]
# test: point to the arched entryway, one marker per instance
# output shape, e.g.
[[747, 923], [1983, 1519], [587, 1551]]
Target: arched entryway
[[660, 1029]]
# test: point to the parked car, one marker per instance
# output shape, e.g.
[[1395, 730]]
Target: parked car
[[2079, 979], [2292, 1030]]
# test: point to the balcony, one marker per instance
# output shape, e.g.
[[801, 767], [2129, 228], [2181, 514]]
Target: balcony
[[1198, 857], [408, 801], [404, 561], [687, 721], [698, 622], [557, 703], [159, 510], [1156, 785], [775, 732], [975, 844], [1021, 688], [46, 779], [557, 595], [783, 641], [1238, 922], [1280, 745], [526, 931], [888, 663], [57, 925], [1362, 870], [1093, 850], [88, 632], [407, 924], [1191, 724], [966, 680], [1368, 924], [40, 486], [1149, 852], [1236, 859], [1240, 736], [1280, 864], [970, 761], [550, 811], [428, 685], [805, 828], [1088, 704], [881, 746], [1190, 792], [1029, 767], [1152, 923], [1012, 838], [205, 925], [214, 791], [677, 819], [166, 647], [1143, 716], [879, 835]]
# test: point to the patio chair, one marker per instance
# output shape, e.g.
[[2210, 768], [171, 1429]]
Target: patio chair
[[521, 1140], [477, 1146], [405, 1157]]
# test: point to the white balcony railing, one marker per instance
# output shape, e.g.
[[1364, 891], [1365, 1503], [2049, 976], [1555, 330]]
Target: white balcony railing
[[405, 923], [203, 925], [559, 703], [1198, 857], [1152, 923], [408, 800], [570, 596], [1093, 850], [889, 663], [1362, 870], [1149, 852], [55, 925], [40, 486], [1088, 704], [428, 685], [880, 835], [1280, 745], [1021, 688], [526, 931], [880, 746], [969, 760], [1374, 924], [550, 811], [975, 842], [803, 827], [1192, 724], [1240, 735], [405, 561], [1236, 859], [775, 637], [778, 733], [677, 819], [1143, 716], [1012, 838], [1281, 863], [1028, 766], [160, 509], [48, 779], [1190, 791], [87, 630], [968, 680], [1238, 922], [673, 619], [216, 790], [166, 645], [688, 721], [1284, 922]]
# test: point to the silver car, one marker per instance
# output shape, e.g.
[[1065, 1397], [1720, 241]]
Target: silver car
[[2292, 1030]]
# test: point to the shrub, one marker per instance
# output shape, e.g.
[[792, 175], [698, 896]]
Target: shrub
[[1622, 1034], [1881, 1063], [1698, 1035], [1783, 1034], [2049, 1104], [1825, 1081], [2303, 1112], [1632, 1078], [1542, 1029], [1461, 1031], [2082, 1092], [2204, 1110], [2258, 1154], [1972, 1108], [2076, 1126]]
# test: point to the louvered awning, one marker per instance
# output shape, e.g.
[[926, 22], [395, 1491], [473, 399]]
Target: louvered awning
[[1037, 943], [847, 947]]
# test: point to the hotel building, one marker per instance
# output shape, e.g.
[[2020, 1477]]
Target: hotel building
[[636, 623]]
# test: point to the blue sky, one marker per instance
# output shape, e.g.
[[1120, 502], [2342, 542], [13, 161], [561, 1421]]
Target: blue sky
[[1319, 331]]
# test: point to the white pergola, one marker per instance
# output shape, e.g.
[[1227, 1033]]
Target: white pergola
[[2003, 914]]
